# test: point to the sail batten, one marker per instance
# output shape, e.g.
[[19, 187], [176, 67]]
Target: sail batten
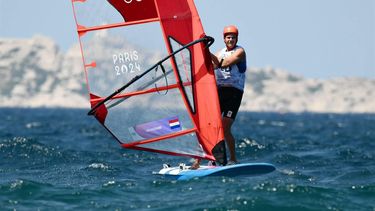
[[160, 138], [83, 29]]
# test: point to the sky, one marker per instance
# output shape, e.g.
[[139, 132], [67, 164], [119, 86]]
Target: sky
[[311, 38]]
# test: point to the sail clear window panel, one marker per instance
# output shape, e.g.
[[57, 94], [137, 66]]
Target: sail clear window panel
[[186, 144], [120, 55], [148, 116], [183, 62]]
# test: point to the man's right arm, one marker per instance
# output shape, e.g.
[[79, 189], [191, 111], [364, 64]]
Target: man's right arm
[[215, 61]]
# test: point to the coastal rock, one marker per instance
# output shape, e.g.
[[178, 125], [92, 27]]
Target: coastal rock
[[35, 73]]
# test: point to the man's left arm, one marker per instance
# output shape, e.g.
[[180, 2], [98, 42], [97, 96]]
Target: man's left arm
[[236, 57]]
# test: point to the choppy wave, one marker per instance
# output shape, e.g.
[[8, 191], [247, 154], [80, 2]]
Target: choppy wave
[[50, 159]]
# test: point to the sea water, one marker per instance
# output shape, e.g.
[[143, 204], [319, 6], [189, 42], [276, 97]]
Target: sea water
[[63, 159]]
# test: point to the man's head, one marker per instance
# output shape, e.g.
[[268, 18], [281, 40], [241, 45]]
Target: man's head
[[230, 34]]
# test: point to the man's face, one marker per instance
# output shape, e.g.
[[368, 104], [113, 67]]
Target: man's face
[[230, 40]]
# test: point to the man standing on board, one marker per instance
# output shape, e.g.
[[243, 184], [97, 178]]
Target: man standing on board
[[230, 67]]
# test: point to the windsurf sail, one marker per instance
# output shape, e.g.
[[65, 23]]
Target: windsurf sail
[[158, 98]]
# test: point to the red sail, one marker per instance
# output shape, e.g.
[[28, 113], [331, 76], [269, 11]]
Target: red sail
[[170, 107]]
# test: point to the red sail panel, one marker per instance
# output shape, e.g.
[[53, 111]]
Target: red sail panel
[[134, 10]]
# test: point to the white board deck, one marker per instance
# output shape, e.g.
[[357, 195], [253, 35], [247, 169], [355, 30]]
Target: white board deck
[[243, 169]]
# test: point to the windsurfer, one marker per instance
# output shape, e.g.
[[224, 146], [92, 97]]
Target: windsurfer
[[230, 67]]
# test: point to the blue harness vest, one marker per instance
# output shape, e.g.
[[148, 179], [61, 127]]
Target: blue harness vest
[[234, 75]]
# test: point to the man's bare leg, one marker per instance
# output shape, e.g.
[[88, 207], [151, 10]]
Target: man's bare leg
[[227, 125]]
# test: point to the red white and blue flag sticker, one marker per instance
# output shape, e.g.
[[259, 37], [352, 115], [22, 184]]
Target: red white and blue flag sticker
[[156, 128], [174, 123]]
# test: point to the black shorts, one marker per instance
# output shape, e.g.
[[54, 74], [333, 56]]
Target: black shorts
[[230, 101]]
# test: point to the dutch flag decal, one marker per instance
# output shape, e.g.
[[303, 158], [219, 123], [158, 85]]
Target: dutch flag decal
[[174, 124]]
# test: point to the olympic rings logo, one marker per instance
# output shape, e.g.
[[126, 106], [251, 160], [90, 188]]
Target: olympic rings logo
[[130, 1]]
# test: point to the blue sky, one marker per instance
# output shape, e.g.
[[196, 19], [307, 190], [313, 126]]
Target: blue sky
[[312, 38]]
